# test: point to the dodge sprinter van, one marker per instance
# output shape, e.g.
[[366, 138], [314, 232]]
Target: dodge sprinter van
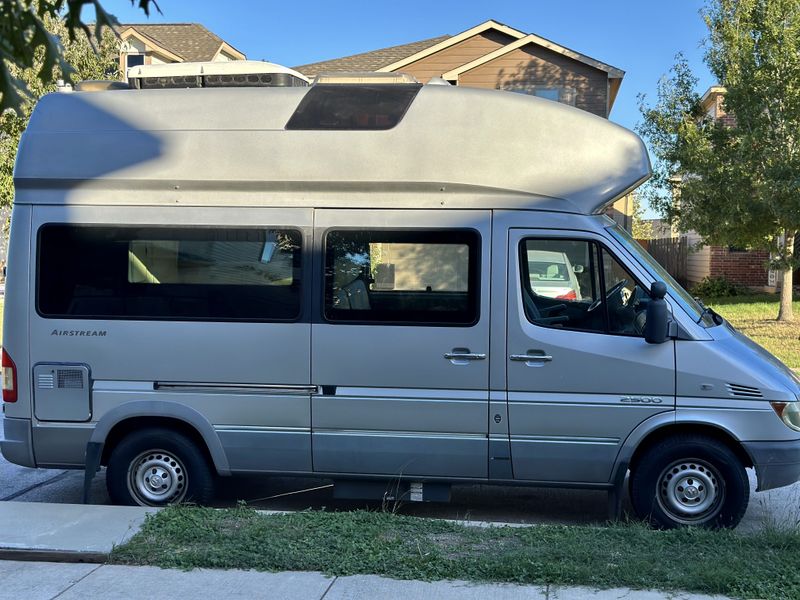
[[335, 280]]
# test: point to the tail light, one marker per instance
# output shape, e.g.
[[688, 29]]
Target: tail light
[[9, 378], [570, 295]]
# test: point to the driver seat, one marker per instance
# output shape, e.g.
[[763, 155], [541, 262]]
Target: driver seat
[[535, 314]]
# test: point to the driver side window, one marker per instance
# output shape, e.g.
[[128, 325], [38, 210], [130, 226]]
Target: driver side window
[[578, 285]]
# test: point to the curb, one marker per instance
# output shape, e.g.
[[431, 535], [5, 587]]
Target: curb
[[59, 556]]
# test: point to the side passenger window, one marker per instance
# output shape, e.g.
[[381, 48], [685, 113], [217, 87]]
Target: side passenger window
[[408, 277], [576, 284]]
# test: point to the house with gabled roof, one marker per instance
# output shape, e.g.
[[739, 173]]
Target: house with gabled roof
[[146, 44], [494, 55]]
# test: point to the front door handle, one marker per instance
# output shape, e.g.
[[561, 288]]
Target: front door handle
[[531, 357]]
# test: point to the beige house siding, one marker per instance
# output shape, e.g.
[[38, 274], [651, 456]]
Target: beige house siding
[[622, 211], [456, 55], [698, 263], [534, 65]]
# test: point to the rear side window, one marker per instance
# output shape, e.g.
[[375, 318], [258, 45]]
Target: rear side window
[[198, 273], [402, 277]]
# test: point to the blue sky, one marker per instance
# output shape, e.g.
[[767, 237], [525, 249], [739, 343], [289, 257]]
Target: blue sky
[[639, 37]]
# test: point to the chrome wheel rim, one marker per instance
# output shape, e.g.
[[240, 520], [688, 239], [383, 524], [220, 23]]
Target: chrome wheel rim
[[690, 491], [157, 477]]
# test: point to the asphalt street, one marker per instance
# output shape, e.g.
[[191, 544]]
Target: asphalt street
[[779, 508]]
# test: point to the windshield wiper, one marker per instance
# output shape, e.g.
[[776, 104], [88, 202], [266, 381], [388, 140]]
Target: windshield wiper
[[715, 316]]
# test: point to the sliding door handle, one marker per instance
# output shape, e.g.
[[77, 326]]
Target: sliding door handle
[[531, 357]]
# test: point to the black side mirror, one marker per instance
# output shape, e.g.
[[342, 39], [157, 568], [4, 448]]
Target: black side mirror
[[657, 324]]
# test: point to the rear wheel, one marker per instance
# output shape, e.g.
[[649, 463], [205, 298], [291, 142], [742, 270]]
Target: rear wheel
[[157, 467], [690, 480]]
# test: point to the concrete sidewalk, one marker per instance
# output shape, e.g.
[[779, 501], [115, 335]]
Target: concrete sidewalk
[[40, 580], [61, 532], [77, 539]]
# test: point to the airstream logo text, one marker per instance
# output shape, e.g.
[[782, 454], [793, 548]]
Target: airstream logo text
[[79, 332]]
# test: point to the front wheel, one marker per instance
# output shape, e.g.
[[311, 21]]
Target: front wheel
[[158, 467], [690, 480]]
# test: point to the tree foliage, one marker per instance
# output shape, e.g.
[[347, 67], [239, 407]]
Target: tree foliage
[[28, 42], [735, 181], [42, 41], [641, 228], [87, 60]]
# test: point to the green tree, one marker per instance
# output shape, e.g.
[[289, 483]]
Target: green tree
[[27, 42], [641, 228], [87, 59], [737, 182]]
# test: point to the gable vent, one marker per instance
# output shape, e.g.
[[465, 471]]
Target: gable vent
[[744, 391], [70, 379]]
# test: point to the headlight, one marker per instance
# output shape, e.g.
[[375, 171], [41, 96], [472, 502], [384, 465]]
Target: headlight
[[789, 412]]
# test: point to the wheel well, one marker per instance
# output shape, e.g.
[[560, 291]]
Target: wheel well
[[708, 431], [123, 428]]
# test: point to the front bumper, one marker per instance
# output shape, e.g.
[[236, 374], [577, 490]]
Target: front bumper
[[17, 447], [777, 463]]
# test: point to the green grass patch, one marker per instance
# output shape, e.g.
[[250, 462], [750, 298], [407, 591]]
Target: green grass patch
[[760, 565], [755, 317]]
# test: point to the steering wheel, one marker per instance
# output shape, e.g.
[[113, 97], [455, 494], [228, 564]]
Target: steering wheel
[[614, 290]]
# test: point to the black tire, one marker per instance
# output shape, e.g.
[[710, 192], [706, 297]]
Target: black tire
[[157, 467], [690, 480]]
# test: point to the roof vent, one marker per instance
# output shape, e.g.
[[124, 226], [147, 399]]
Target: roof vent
[[235, 73], [744, 391]]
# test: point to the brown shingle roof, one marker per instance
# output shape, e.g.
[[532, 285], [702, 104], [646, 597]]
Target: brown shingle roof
[[369, 61], [190, 41]]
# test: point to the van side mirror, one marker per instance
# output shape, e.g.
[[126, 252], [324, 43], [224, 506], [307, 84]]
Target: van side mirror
[[577, 269], [657, 324]]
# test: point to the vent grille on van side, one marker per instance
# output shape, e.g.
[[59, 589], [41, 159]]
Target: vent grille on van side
[[744, 391], [70, 379], [63, 392], [46, 381]]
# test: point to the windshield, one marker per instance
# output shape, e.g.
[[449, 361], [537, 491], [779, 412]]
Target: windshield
[[680, 295]]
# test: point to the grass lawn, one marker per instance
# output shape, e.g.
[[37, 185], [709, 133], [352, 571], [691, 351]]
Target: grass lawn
[[760, 565], [755, 317]]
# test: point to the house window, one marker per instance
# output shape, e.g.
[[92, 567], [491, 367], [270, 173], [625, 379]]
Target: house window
[[563, 94], [548, 93], [134, 60]]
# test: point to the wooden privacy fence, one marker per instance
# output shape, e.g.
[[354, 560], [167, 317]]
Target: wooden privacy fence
[[672, 254]]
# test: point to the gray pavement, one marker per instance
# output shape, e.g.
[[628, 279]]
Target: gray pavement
[[34, 581], [67, 527]]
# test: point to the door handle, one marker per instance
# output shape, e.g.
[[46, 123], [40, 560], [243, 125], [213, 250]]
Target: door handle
[[531, 357], [464, 356]]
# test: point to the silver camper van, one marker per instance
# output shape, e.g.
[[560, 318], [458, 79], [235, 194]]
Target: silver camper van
[[336, 280]]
